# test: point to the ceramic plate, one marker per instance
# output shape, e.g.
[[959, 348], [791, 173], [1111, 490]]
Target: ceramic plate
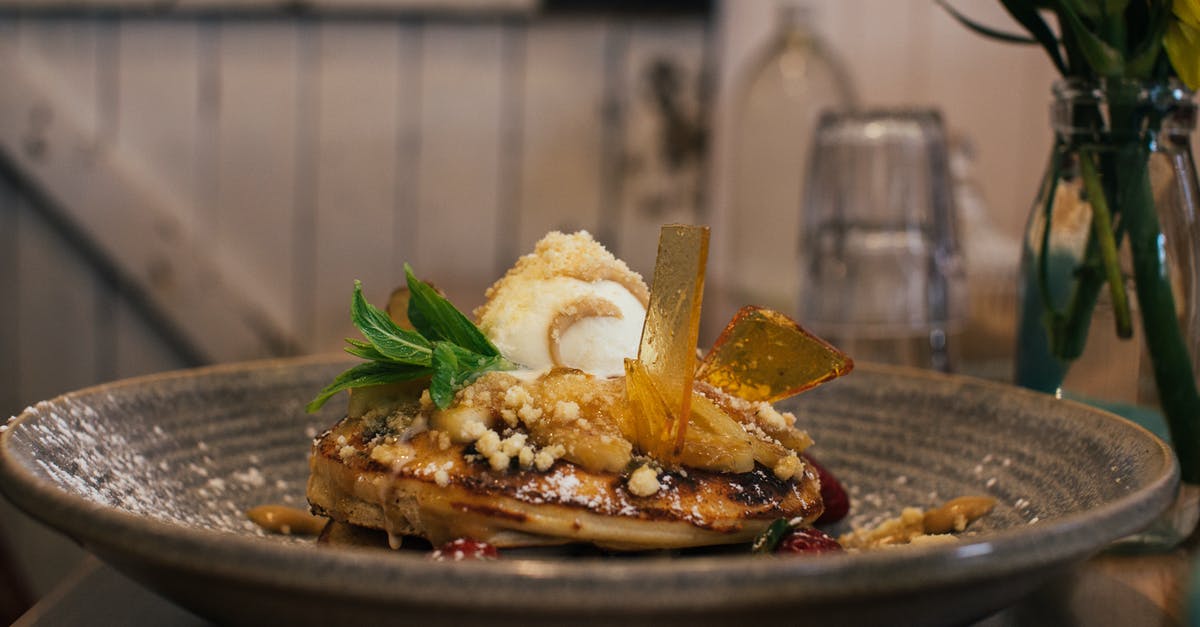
[[153, 475]]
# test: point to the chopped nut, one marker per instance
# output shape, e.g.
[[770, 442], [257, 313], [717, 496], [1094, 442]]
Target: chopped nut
[[644, 481], [566, 410], [513, 443], [545, 458], [788, 467], [771, 417], [529, 413], [488, 443], [498, 460], [525, 457], [517, 396]]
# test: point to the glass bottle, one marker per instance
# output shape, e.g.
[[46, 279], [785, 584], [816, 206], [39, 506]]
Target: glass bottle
[[779, 96], [1122, 156]]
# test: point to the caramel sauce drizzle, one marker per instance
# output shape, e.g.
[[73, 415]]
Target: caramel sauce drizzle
[[286, 520]]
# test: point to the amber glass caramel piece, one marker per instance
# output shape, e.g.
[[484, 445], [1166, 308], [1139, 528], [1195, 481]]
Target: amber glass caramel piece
[[714, 441], [648, 409], [763, 355], [668, 347]]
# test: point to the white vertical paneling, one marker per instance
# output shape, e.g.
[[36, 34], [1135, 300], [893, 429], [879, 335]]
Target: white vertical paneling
[[879, 43], [157, 116], [561, 129], [67, 51], [652, 191], [357, 76], [138, 347], [61, 312], [257, 156], [57, 292], [457, 199], [408, 144], [998, 97], [743, 31], [157, 81]]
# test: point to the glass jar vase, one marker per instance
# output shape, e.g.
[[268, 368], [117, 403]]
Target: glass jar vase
[[1109, 307]]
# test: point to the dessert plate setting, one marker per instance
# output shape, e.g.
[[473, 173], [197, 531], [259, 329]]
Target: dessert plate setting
[[154, 475]]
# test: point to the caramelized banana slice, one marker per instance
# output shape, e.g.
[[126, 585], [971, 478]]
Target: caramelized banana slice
[[715, 441], [574, 415]]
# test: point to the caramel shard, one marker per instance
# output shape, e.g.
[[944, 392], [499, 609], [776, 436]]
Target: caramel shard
[[668, 346], [648, 413], [715, 441], [762, 355]]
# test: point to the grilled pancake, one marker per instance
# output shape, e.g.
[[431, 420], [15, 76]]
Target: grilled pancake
[[443, 492]]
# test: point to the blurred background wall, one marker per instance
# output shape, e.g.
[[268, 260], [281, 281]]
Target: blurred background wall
[[186, 183]]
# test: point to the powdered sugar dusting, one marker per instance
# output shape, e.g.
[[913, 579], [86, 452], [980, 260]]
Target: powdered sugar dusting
[[161, 470]]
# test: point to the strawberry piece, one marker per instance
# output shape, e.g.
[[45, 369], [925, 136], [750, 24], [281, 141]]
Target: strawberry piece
[[465, 549], [808, 540], [837, 504]]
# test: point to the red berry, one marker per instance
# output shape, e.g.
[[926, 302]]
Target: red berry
[[808, 540], [837, 504], [465, 549]]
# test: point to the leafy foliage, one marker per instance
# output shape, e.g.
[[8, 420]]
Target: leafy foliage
[[1107, 38], [446, 346]]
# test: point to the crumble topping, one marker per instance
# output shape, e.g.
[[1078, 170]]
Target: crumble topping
[[644, 481], [788, 467]]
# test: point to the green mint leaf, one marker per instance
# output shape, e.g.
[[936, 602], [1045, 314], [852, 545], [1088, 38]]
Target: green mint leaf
[[389, 340], [446, 374], [446, 346], [455, 367], [369, 373], [439, 320], [364, 350]]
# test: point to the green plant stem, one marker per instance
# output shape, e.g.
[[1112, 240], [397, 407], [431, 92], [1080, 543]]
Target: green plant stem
[[1049, 191], [1069, 329], [1173, 373], [1102, 230]]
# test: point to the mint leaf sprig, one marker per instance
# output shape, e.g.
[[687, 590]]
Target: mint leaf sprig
[[445, 346]]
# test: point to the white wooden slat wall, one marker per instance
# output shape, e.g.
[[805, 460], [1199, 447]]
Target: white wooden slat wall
[[652, 193], [458, 211], [256, 223], [155, 115], [562, 130], [356, 191]]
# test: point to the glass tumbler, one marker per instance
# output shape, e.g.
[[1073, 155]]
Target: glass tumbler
[[882, 276]]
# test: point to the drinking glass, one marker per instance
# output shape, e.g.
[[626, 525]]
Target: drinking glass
[[882, 277]]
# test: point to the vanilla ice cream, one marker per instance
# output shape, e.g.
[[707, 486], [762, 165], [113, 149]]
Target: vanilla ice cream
[[569, 303]]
